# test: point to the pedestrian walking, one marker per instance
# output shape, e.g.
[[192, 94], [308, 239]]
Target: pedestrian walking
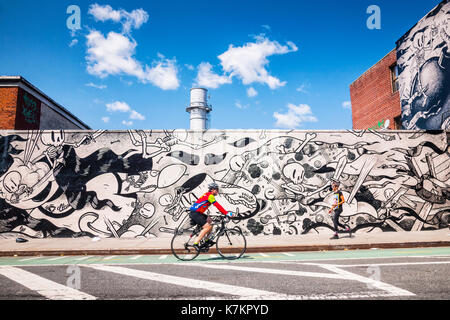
[[336, 209]]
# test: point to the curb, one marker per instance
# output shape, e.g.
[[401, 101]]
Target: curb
[[101, 252]]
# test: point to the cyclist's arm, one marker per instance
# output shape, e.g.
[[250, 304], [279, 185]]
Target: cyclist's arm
[[220, 208], [217, 205]]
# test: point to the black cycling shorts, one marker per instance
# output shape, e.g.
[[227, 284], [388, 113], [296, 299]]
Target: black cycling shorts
[[198, 218]]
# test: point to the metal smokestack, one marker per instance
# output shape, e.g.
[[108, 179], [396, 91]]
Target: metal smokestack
[[199, 109]]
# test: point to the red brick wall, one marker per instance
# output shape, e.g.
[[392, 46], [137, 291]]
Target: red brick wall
[[372, 96], [8, 103]]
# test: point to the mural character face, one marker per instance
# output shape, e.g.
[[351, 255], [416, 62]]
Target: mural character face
[[295, 172], [54, 138], [12, 181], [237, 163]]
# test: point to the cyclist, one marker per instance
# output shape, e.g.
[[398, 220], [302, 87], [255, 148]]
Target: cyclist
[[197, 212]]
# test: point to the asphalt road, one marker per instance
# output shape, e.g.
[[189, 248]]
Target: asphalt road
[[394, 274]]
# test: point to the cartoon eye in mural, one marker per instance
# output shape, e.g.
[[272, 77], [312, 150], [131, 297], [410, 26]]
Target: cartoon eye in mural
[[53, 138], [294, 172], [12, 181], [237, 163]]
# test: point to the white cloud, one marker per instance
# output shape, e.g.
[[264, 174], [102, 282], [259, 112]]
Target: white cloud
[[134, 19], [295, 116], [189, 66], [347, 105], [98, 86], [113, 55], [267, 27], [73, 43], [302, 88], [249, 61], [241, 106], [251, 92], [127, 123], [104, 13], [208, 79], [163, 74], [136, 115], [105, 119], [118, 106]]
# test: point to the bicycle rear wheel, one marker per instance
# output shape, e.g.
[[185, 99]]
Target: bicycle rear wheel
[[182, 244], [231, 244]]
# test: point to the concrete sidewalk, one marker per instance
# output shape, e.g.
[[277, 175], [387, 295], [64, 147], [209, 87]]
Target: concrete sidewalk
[[309, 242]]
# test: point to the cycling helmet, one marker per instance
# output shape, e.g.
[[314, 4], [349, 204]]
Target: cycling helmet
[[212, 186]]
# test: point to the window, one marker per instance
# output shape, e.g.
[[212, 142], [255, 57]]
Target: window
[[394, 78]]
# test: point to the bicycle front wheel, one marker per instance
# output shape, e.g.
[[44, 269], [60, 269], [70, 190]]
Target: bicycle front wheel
[[182, 245], [231, 244]]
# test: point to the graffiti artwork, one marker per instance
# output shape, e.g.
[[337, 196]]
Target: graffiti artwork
[[28, 111], [138, 184], [423, 56]]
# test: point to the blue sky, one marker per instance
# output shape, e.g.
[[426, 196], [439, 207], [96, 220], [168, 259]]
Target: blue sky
[[267, 64]]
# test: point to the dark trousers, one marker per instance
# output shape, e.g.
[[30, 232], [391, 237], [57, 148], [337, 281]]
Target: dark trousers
[[337, 214]]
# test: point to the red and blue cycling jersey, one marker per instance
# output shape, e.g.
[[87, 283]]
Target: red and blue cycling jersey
[[203, 203]]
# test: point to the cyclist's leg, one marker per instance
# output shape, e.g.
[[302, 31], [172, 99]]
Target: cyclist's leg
[[201, 220], [206, 230]]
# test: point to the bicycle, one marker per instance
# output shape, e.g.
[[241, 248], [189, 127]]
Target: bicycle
[[230, 242]]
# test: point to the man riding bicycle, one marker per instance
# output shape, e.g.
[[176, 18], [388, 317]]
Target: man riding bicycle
[[197, 212]]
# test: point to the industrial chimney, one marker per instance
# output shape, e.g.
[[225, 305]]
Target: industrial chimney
[[199, 109]]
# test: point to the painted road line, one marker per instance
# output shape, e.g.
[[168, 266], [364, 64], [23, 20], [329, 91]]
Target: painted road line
[[372, 283], [136, 257], [163, 257], [288, 254], [29, 259], [242, 292], [83, 258], [47, 288], [392, 264], [271, 271], [213, 256], [263, 254], [109, 258], [57, 258]]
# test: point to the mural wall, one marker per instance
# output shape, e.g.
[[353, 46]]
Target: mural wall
[[138, 184], [423, 56]]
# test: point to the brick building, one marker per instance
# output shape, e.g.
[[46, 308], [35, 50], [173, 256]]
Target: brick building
[[409, 87], [375, 97], [25, 107]]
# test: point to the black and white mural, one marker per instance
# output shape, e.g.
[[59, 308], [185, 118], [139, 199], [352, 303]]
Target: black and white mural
[[423, 55], [138, 184]]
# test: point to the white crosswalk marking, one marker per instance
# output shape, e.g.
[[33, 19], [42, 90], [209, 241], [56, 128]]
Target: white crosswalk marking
[[136, 257], [372, 282], [47, 288], [263, 254], [241, 292], [338, 274], [271, 271], [163, 257]]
